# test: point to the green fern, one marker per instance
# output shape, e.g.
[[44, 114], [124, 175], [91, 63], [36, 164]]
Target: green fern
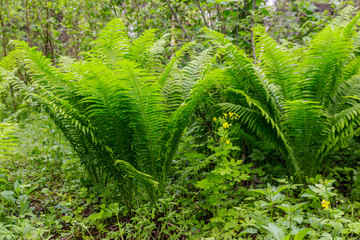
[[119, 108], [307, 105], [8, 143], [7, 140]]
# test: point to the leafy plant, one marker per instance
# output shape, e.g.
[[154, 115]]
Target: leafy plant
[[306, 102], [7, 139], [120, 108], [7, 144], [226, 172]]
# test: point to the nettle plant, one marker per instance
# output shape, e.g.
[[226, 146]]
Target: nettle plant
[[304, 101], [122, 109]]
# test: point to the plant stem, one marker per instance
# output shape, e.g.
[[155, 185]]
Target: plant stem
[[174, 14], [202, 13], [252, 32]]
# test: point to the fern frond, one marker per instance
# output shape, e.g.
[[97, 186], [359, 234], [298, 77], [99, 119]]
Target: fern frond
[[171, 81], [10, 61], [350, 69], [342, 96], [129, 169], [179, 119], [278, 66], [38, 65], [345, 19], [155, 55], [306, 127], [173, 63], [7, 139], [243, 72], [344, 126], [195, 70], [140, 48], [112, 44], [349, 30], [252, 119], [328, 52]]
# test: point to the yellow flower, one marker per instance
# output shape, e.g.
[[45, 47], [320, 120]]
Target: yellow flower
[[69, 199], [231, 114], [225, 115], [341, 201], [226, 125], [214, 119], [221, 139], [227, 141], [45, 130], [325, 204]]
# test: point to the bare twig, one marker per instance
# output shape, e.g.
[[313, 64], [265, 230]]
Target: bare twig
[[174, 14], [3, 27], [207, 6], [223, 28], [13, 97], [252, 32], [27, 22], [207, 124], [303, 35], [237, 25], [202, 14], [114, 7]]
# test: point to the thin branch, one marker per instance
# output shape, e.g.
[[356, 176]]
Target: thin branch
[[223, 28], [207, 124], [303, 35], [202, 14], [207, 6], [237, 25], [27, 22], [114, 7], [174, 14], [252, 32], [3, 28]]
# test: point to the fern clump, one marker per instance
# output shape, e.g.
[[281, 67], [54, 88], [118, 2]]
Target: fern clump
[[122, 109], [307, 105]]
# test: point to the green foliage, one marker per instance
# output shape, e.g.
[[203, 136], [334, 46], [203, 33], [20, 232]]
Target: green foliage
[[227, 173], [279, 226], [7, 145], [200, 132], [302, 104], [58, 205], [7, 139], [113, 110]]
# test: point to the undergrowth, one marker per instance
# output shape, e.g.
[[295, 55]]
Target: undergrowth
[[45, 195]]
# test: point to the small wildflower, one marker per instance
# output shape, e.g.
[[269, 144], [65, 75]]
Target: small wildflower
[[231, 114], [342, 201], [225, 115], [69, 199], [227, 141], [214, 119], [226, 125], [325, 204], [45, 130]]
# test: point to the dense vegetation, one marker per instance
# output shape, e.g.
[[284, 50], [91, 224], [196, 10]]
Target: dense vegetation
[[232, 120]]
